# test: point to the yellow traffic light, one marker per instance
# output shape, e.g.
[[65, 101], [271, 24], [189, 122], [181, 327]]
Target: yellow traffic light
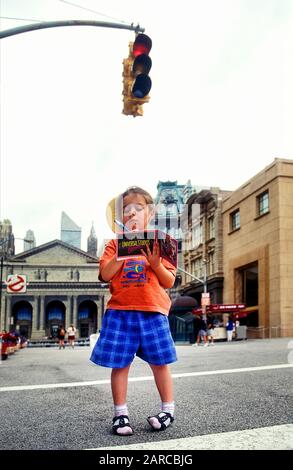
[[136, 82]]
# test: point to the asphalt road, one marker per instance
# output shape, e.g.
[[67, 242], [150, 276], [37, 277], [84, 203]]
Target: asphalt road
[[225, 395]]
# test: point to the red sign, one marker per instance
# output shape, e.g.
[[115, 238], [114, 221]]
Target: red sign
[[226, 307], [16, 283], [220, 308]]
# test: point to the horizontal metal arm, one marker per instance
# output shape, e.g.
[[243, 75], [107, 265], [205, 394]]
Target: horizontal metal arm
[[14, 238], [191, 275], [54, 24]]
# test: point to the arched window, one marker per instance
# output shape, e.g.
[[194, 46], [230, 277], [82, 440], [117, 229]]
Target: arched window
[[24, 312]]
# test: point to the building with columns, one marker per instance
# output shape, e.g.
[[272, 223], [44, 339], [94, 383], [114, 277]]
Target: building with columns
[[62, 288]]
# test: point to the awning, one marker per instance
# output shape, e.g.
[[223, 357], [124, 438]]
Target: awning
[[183, 303]]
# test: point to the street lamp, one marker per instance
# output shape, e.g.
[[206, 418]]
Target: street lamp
[[2, 242]]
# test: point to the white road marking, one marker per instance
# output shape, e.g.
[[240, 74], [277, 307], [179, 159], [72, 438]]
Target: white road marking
[[17, 388], [267, 438]]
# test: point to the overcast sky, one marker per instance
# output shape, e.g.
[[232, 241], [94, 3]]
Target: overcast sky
[[221, 105]]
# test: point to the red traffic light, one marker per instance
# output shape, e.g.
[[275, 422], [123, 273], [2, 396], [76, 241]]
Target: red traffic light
[[136, 82], [141, 66], [141, 45]]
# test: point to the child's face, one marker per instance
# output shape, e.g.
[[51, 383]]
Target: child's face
[[136, 213]]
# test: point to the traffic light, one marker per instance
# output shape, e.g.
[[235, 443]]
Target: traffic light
[[136, 81]]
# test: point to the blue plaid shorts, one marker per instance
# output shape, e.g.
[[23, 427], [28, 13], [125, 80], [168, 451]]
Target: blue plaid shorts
[[126, 333]]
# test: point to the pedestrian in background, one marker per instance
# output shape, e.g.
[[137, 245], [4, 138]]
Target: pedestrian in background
[[202, 334], [210, 330], [71, 331], [61, 335], [136, 319], [229, 329]]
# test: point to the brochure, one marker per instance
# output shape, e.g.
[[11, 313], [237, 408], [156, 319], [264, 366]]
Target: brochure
[[129, 244]]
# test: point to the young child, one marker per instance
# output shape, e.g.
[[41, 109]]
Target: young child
[[136, 319]]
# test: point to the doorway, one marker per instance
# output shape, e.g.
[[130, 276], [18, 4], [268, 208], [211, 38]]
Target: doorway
[[55, 317], [250, 294], [87, 318], [22, 315]]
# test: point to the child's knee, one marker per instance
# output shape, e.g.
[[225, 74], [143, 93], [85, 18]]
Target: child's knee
[[159, 368]]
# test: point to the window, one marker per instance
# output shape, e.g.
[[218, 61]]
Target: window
[[263, 203], [196, 267], [211, 227], [211, 263], [171, 209], [197, 235], [235, 220]]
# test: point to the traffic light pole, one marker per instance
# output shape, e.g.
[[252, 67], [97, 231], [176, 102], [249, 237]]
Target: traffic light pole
[[204, 282], [55, 24]]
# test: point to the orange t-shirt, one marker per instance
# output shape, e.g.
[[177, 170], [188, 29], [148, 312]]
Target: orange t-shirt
[[135, 286]]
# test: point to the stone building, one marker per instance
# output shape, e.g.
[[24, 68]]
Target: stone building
[[63, 288], [203, 247], [258, 249]]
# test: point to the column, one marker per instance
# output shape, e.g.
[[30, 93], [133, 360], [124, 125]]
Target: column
[[74, 299], [38, 326], [42, 313], [100, 312], [70, 307], [35, 305], [67, 312], [75, 310], [7, 311]]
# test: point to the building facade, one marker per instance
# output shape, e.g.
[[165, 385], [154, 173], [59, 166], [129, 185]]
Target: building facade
[[258, 249], [63, 288], [203, 245]]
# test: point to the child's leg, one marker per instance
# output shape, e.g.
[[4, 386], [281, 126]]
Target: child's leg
[[119, 382], [164, 384]]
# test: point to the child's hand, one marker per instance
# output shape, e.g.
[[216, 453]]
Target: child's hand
[[154, 257]]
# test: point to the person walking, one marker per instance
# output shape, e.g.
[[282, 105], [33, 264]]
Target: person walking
[[202, 333], [210, 330], [136, 320], [61, 335], [71, 331]]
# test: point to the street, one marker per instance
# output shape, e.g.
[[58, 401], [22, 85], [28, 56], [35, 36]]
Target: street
[[232, 395]]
